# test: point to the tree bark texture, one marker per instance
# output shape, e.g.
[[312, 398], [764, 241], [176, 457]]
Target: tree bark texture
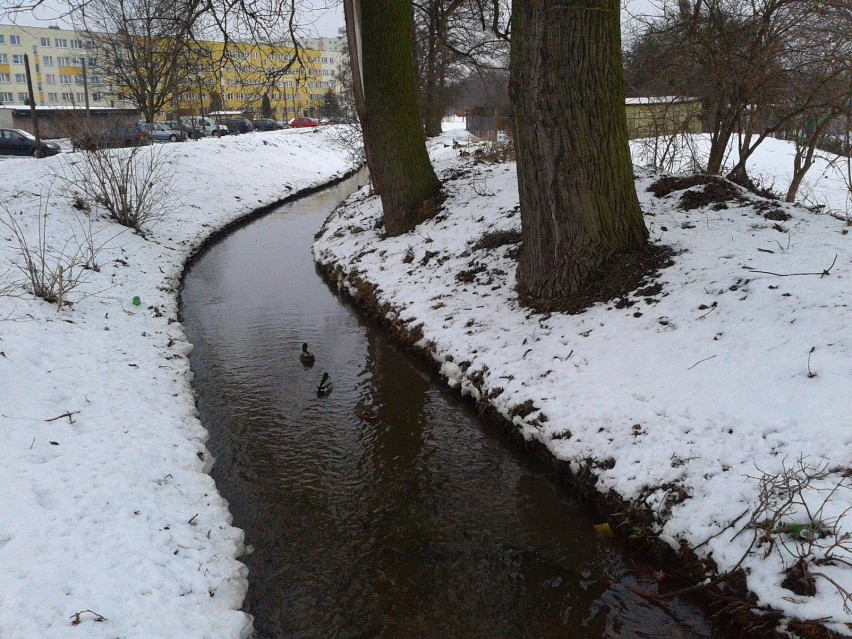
[[575, 176], [393, 133]]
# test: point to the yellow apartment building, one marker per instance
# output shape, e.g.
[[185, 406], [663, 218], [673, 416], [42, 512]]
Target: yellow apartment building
[[241, 74], [235, 78]]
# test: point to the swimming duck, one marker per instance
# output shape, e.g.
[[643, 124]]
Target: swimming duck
[[306, 357], [325, 386]]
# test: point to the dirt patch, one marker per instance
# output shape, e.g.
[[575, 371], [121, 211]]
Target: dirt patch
[[669, 184], [799, 580], [777, 215], [716, 192], [623, 274], [496, 239]]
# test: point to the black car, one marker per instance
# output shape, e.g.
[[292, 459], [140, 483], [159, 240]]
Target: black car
[[265, 124], [238, 125], [115, 136], [20, 142]]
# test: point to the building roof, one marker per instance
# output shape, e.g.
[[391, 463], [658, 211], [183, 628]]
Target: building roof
[[661, 99]]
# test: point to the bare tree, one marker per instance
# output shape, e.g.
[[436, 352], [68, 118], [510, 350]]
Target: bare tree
[[751, 62], [454, 38], [143, 48]]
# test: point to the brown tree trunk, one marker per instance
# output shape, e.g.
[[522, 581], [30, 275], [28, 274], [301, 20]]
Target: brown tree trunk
[[393, 133], [575, 176], [431, 107], [722, 128]]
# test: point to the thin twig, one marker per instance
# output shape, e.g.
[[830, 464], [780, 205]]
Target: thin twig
[[699, 361], [730, 525], [822, 274], [68, 415]]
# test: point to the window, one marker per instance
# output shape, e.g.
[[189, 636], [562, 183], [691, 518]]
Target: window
[[76, 44], [63, 61], [96, 97], [64, 79], [52, 97], [22, 97], [16, 40], [17, 58], [2, 38], [50, 78], [20, 78], [4, 59], [81, 98], [47, 60], [78, 79], [5, 96], [93, 79], [4, 77], [68, 98], [61, 42], [91, 62], [45, 42]]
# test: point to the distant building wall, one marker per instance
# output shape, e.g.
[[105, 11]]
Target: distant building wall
[[656, 116], [64, 122], [646, 117]]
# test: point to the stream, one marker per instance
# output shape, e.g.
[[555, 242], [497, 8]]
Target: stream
[[387, 508]]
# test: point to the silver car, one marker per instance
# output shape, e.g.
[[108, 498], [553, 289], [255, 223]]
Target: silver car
[[162, 133]]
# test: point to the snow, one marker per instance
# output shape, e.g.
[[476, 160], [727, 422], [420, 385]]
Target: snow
[[110, 509], [736, 370], [107, 508]]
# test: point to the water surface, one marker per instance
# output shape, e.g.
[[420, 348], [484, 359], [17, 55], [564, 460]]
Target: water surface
[[385, 509]]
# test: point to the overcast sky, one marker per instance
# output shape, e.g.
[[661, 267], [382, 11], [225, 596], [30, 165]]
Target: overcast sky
[[320, 17]]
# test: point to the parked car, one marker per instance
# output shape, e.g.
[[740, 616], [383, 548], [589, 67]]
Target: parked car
[[191, 132], [238, 125], [160, 132], [205, 125], [115, 136], [265, 124], [20, 142], [298, 123]]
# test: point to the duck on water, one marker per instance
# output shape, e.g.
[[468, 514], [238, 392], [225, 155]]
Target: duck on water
[[325, 386]]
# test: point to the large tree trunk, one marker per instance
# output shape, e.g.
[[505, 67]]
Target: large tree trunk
[[575, 177], [393, 133]]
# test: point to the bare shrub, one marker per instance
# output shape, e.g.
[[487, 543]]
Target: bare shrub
[[134, 185], [350, 138], [52, 273], [799, 516]]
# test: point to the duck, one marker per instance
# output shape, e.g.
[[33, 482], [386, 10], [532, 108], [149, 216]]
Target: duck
[[306, 357], [325, 386]]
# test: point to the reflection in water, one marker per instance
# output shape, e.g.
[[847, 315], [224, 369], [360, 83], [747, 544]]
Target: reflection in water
[[384, 509]]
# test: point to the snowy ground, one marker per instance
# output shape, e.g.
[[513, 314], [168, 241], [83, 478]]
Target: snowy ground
[[106, 507], [736, 368], [106, 504]]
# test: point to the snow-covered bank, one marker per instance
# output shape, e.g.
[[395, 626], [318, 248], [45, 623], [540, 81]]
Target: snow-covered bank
[[730, 369], [106, 505]]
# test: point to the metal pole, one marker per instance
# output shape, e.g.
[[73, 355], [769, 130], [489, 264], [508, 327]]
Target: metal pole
[[85, 87], [38, 151]]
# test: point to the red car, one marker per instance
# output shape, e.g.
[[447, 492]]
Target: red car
[[297, 123]]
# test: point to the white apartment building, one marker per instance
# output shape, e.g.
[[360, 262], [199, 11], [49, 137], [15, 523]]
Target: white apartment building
[[331, 58]]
